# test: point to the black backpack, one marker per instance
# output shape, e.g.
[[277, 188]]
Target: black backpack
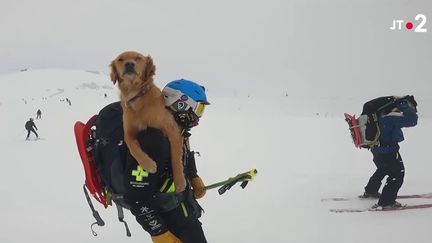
[[110, 153], [381, 105], [110, 150], [368, 121], [28, 125]]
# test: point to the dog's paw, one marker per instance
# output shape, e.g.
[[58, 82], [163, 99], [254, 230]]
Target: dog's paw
[[180, 184], [151, 166]]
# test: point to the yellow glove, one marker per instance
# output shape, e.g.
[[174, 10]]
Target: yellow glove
[[166, 237], [197, 185]]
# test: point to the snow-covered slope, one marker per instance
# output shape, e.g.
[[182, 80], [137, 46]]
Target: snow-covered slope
[[301, 149]]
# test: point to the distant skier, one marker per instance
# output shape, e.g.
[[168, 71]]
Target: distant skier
[[38, 114], [30, 127], [386, 156]]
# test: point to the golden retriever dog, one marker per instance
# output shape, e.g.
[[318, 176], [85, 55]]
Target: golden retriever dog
[[144, 106]]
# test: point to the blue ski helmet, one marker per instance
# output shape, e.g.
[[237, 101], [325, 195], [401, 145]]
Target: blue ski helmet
[[187, 100], [193, 90]]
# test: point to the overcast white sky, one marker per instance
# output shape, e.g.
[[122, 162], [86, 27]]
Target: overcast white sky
[[240, 47]]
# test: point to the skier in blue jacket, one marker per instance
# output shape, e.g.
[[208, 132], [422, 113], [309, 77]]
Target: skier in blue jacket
[[386, 156]]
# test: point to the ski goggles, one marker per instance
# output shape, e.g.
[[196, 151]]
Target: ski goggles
[[199, 109], [194, 106]]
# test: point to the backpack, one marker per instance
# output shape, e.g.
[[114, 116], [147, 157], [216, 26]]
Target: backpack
[[382, 105], [28, 125], [103, 155], [365, 130]]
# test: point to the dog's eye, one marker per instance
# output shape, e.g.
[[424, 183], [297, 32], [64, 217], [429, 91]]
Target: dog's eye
[[137, 59], [120, 59]]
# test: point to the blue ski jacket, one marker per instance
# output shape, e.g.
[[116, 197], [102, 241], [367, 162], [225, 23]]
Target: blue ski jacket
[[390, 126]]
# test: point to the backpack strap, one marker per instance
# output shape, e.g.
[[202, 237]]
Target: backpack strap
[[121, 218], [96, 215], [376, 140], [98, 218]]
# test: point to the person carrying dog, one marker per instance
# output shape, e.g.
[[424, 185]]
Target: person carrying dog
[[168, 216], [30, 127], [386, 156]]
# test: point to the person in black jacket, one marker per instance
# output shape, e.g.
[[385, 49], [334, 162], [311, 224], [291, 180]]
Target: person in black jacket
[[38, 114], [30, 127], [168, 216]]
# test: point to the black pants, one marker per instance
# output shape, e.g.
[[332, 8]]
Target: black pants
[[186, 227], [390, 165], [180, 221], [31, 130]]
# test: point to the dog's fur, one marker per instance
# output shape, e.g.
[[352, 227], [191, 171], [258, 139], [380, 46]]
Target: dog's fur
[[143, 106]]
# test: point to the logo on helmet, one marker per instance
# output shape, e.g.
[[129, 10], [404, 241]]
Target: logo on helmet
[[184, 97], [180, 106]]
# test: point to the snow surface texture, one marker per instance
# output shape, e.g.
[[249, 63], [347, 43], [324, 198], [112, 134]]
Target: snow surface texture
[[300, 157]]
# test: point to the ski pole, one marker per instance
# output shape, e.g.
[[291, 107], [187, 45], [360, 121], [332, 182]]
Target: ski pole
[[244, 178]]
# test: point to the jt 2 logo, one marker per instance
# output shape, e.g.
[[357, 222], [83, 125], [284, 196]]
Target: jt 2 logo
[[420, 18]]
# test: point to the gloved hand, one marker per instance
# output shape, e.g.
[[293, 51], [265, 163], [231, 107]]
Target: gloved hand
[[166, 237], [402, 102], [408, 101], [197, 185], [412, 101]]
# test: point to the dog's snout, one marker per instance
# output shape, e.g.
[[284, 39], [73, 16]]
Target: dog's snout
[[129, 67]]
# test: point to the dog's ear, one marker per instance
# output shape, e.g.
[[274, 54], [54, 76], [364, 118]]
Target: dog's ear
[[114, 74], [150, 69]]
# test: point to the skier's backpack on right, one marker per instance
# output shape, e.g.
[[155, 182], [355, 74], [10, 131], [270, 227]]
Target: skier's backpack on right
[[103, 154], [365, 130]]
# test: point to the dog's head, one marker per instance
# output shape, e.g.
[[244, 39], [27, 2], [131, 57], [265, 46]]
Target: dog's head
[[132, 68]]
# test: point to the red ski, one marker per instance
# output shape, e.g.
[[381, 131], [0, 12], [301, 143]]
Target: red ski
[[379, 209], [425, 195]]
